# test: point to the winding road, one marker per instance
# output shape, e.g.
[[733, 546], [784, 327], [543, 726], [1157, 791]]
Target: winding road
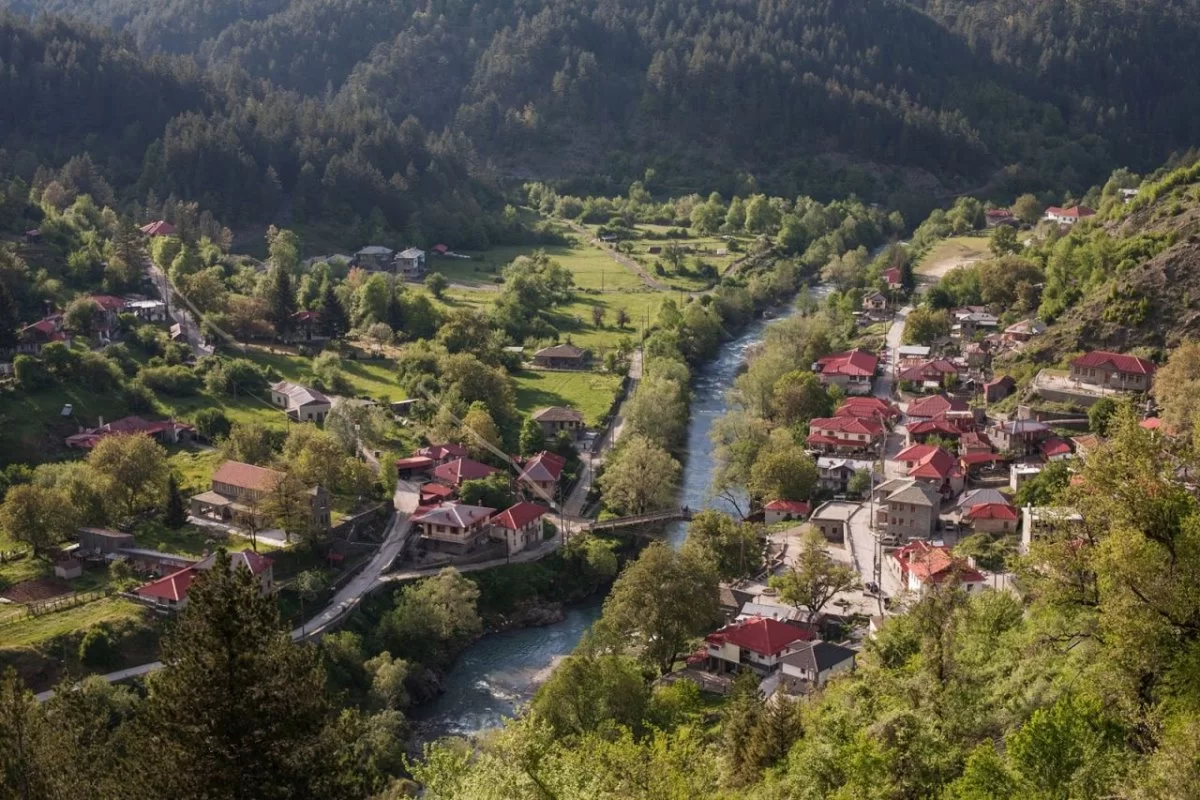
[[343, 602]]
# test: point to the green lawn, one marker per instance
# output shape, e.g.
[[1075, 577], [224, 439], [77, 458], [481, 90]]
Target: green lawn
[[31, 631], [588, 392], [592, 267], [374, 378], [22, 569], [575, 319]]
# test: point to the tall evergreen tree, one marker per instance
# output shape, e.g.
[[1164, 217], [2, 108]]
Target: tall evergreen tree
[[333, 314], [240, 710], [9, 319], [176, 514], [281, 298]]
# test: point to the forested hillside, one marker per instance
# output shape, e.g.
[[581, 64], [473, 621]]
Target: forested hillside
[[877, 97]]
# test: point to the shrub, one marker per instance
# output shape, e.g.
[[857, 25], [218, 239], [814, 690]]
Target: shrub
[[174, 381], [96, 649]]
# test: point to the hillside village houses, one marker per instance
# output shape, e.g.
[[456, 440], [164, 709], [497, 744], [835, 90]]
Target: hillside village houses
[[555, 419], [785, 510], [1115, 371], [1067, 216], [300, 402], [170, 592], [162, 431], [239, 492], [906, 509], [562, 356], [853, 372], [845, 435], [923, 566]]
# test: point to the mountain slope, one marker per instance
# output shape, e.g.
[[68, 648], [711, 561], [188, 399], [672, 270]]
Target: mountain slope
[[802, 94]]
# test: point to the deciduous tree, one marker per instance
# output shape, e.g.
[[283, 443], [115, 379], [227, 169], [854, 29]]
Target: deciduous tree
[[639, 477], [815, 578]]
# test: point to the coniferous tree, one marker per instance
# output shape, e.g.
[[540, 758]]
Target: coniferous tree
[[240, 710], [281, 298], [333, 314], [9, 319], [176, 513]]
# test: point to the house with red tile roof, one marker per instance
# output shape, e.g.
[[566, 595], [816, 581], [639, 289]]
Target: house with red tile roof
[[562, 356], [757, 644], [1116, 371], [162, 431], [784, 510], [939, 426], [32, 339], [892, 278], [992, 518], [1156, 425], [974, 442], [540, 475], [159, 228], [432, 494], [870, 407], [414, 467], [934, 466], [441, 453], [852, 371], [923, 566], [1069, 215], [998, 216], [453, 527], [1056, 449], [935, 405], [845, 435], [933, 374], [171, 592], [997, 389], [519, 526], [453, 473]]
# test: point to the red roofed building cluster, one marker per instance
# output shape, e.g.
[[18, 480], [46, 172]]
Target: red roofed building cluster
[[454, 473], [845, 434], [162, 431], [934, 466], [992, 517], [923, 565], [935, 406], [868, 408], [171, 592], [757, 643], [519, 526], [1116, 371], [852, 371]]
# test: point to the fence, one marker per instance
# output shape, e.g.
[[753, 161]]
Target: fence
[[40, 608]]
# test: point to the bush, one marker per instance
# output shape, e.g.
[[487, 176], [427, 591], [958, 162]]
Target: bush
[[173, 381], [212, 424], [96, 649], [30, 373]]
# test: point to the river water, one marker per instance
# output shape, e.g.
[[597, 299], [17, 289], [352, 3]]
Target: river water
[[501, 672]]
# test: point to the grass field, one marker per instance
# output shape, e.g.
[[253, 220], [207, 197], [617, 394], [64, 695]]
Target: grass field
[[950, 253], [30, 631], [592, 267], [590, 393]]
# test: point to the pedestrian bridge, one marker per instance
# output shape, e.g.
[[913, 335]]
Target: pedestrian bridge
[[664, 515]]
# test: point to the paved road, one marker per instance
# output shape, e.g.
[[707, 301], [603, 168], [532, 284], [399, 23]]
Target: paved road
[[177, 311], [343, 602]]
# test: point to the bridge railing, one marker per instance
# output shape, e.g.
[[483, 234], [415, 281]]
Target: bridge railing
[[664, 515]]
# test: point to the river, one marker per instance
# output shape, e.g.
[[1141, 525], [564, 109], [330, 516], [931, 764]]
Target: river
[[501, 672]]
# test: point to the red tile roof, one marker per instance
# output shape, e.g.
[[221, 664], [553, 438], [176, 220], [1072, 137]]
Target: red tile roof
[[938, 425], [246, 476], [932, 564], [440, 452], [863, 425], [762, 635], [414, 462], [462, 469], [1078, 212], [867, 407], [545, 467], [980, 457], [172, 587], [517, 517], [1121, 362], [798, 507], [892, 275], [108, 302], [916, 452], [929, 371], [855, 363], [159, 228], [1055, 446], [992, 511], [936, 404], [938, 464], [998, 213]]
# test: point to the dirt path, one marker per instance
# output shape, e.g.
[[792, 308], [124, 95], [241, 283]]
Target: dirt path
[[951, 254], [620, 258]]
